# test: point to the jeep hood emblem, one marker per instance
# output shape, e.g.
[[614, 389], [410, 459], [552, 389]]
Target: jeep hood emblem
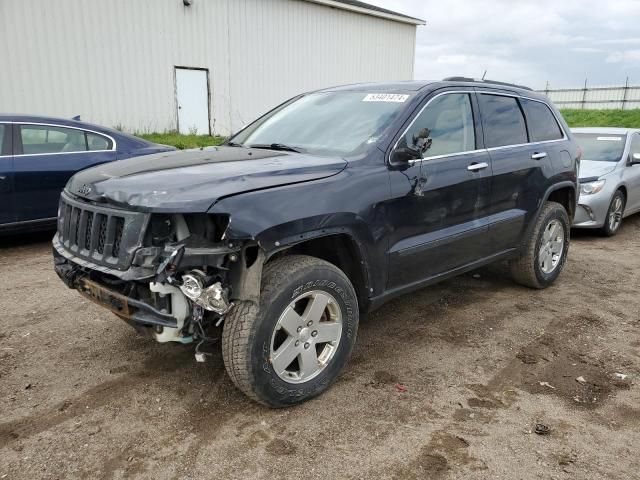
[[84, 190]]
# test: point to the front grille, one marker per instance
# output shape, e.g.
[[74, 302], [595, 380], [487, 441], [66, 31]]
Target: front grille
[[102, 235]]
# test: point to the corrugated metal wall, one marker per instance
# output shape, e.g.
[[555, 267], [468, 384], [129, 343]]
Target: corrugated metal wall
[[112, 61], [597, 98]]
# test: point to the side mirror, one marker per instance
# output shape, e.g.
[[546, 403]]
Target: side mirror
[[635, 159], [422, 142], [403, 155]]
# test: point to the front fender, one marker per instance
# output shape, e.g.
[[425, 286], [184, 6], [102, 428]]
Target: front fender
[[281, 217]]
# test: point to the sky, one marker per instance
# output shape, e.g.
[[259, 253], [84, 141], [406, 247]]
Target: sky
[[531, 43]]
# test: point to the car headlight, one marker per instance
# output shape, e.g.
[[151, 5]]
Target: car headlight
[[590, 188]]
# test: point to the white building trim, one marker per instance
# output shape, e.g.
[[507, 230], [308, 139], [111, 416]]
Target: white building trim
[[368, 11]]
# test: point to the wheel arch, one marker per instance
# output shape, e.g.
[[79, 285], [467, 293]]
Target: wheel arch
[[338, 246], [624, 190], [563, 193]]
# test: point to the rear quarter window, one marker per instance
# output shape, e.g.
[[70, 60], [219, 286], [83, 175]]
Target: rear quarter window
[[98, 142], [542, 124], [502, 121]]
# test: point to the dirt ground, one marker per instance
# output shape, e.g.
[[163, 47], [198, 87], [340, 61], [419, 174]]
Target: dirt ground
[[482, 361]]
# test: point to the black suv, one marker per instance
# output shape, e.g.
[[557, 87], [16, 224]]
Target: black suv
[[319, 211]]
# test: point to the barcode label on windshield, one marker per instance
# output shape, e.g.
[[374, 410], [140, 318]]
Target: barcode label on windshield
[[385, 97]]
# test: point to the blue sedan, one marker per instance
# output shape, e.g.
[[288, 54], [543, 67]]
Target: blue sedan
[[39, 154]]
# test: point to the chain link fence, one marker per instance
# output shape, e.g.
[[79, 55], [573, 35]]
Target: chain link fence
[[625, 97]]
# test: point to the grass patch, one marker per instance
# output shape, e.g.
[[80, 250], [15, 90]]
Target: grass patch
[[181, 142], [602, 118]]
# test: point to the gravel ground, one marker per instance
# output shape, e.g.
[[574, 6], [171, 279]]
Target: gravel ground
[[445, 383]]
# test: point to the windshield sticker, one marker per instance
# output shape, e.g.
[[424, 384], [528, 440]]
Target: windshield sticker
[[609, 139], [385, 97]]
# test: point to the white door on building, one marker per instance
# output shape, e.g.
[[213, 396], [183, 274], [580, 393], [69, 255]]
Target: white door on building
[[192, 91]]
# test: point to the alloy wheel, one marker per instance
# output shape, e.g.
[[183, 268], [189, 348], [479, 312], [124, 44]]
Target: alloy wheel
[[552, 246], [615, 215], [306, 336]]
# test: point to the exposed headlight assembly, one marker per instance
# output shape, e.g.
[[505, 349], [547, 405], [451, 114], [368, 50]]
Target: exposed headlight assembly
[[590, 188], [213, 298]]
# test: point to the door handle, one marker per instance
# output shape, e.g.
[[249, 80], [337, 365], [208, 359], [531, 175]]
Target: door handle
[[474, 167], [539, 155]]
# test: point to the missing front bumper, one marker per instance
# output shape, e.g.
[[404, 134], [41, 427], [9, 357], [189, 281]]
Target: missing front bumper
[[125, 307]]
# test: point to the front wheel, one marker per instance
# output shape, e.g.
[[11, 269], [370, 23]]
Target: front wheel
[[544, 252], [293, 345], [614, 215]]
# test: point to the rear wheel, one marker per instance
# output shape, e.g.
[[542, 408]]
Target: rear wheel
[[293, 345], [544, 251], [614, 214]]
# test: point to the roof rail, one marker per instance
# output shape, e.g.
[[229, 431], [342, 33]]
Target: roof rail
[[480, 80]]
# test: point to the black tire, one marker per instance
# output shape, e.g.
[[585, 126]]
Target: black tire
[[249, 329], [527, 269], [608, 230]]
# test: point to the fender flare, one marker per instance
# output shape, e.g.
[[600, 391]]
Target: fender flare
[[555, 187], [545, 197], [246, 279], [288, 242]]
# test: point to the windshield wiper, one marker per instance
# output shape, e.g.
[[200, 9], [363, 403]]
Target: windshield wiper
[[235, 144], [276, 146]]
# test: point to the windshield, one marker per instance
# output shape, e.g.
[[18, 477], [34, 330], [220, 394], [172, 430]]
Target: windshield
[[325, 123], [601, 147]]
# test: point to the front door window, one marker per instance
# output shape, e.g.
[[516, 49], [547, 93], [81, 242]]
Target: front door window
[[444, 127]]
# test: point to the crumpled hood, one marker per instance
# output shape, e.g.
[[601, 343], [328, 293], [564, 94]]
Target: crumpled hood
[[593, 169], [192, 180]]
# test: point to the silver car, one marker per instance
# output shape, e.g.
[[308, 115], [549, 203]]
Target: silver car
[[609, 177]]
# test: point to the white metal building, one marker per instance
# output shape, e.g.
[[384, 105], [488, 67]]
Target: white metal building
[[205, 65]]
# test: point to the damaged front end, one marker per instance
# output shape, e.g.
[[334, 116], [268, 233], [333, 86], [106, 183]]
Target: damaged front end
[[171, 276]]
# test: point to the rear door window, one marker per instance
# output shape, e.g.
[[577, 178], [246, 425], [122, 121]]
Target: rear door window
[[45, 139], [542, 124], [42, 139], [502, 120]]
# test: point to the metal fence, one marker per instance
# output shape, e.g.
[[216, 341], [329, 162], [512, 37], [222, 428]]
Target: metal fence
[[623, 97]]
